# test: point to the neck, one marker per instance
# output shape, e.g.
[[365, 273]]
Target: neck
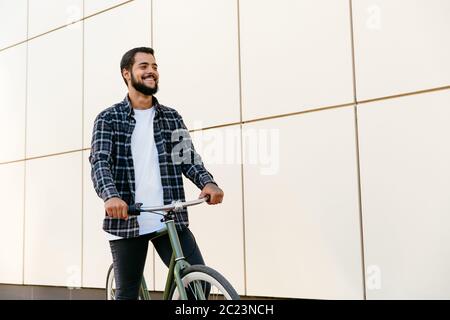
[[139, 100]]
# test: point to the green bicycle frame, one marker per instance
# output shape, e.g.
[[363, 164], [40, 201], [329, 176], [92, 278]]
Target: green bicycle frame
[[177, 264]]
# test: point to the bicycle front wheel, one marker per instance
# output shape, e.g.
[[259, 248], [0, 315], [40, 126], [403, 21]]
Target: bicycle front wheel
[[204, 282]]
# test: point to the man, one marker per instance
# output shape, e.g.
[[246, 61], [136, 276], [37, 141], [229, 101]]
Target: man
[[135, 158]]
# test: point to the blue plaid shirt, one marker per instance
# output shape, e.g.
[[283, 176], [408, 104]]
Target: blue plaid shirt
[[112, 170]]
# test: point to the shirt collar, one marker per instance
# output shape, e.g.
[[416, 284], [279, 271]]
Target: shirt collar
[[130, 111]]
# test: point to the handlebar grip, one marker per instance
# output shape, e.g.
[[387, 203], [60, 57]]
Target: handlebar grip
[[134, 209]]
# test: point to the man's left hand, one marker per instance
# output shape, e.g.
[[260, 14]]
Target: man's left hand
[[214, 192]]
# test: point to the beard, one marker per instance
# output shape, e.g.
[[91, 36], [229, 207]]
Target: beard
[[142, 88]]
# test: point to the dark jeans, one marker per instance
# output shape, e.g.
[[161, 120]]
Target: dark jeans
[[129, 259]]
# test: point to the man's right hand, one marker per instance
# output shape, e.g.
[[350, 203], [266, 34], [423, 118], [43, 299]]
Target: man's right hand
[[116, 208]]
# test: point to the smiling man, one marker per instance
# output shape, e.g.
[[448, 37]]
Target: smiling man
[[131, 161]]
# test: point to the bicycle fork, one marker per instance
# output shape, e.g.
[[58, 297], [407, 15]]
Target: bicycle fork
[[177, 264]]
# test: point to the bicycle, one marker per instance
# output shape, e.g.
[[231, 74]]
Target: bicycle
[[184, 281]]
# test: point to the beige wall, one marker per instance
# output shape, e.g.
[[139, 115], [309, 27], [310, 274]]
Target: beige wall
[[326, 123]]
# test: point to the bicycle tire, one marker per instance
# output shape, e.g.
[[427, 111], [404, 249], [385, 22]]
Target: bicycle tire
[[205, 274], [110, 283]]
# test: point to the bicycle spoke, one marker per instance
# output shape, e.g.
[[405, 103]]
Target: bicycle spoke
[[199, 288], [192, 289]]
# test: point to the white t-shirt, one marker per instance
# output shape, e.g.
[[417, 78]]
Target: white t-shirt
[[147, 175]]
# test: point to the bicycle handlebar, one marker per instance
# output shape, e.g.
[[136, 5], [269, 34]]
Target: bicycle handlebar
[[136, 208]]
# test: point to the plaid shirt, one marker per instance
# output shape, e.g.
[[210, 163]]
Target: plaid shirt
[[112, 170]]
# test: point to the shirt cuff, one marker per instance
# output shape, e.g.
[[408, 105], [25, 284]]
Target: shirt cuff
[[109, 193], [205, 179]]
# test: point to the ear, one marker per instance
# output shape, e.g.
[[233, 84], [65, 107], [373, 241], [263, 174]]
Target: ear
[[126, 74]]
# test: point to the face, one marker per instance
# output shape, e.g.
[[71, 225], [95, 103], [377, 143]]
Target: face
[[144, 76]]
